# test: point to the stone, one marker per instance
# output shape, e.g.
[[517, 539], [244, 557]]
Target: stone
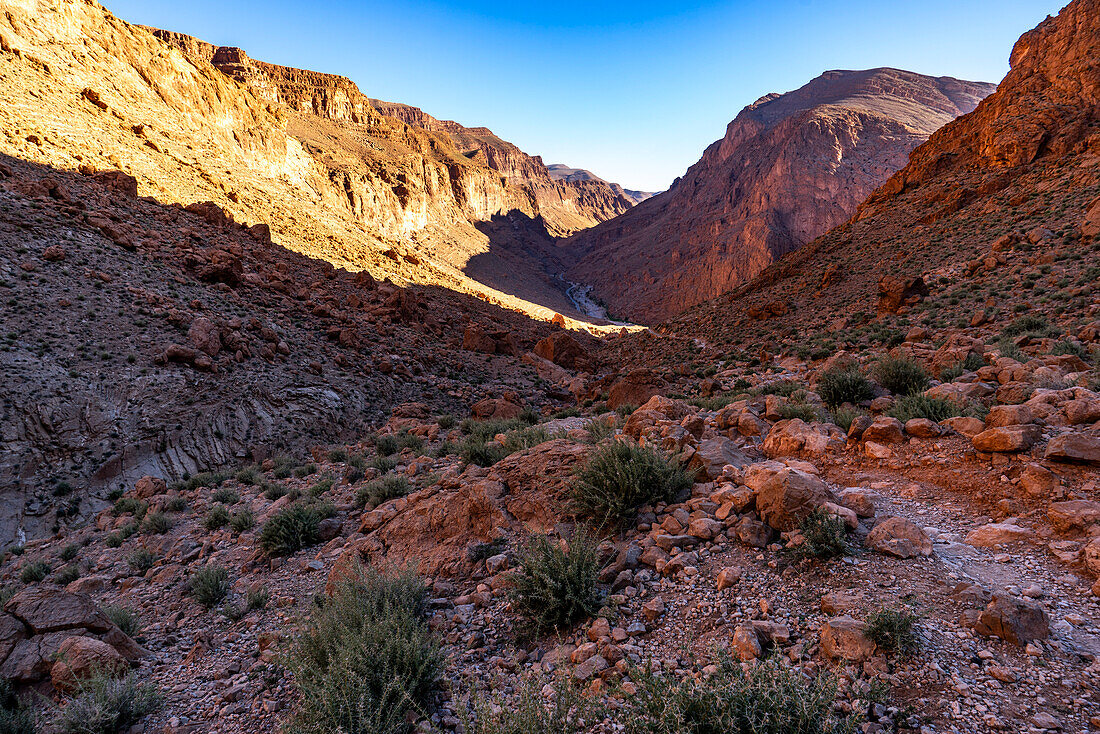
[[835, 603], [795, 437], [1014, 620], [1075, 447], [728, 577], [884, 430], [844, 638], [564, 350], [1074, 515], [995, 534], [1007, 439], [969, 427], [1090, 556], [80, 658], [899, 537], [1008, 415], [1037, 481], [788, 496], [204, 336], [148, 487], [745, 643], [712, 455], [858, 500], [922, 428], [1079, 412], [44, 609]]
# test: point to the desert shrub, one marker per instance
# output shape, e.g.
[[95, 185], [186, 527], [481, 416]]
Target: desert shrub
[[619, 478], [800, 410], [783, 388], [67, 575], [338, 456], [972, 363], [15, 716], [825, 536], [69, 552], [157, 523], [305, 470], [391, 443], [34, 572], [383, 464], [275, 491], [892, 629], [364, 658], [175, 504], [483, 450], [106, 705], [242, 520], [487, 429], [1009, 348], [141, 560], [291, 529], [921, 406], [901, 376], [626, 409], [556, 584], [837, 387], [216, 517], [202, 479], [769, 699], [598, 430], [113, 540], [226, 496], [379, 490], [844, 417], [209, 585], [1032, 324], [529, 712], [446, 421], [321, 487], [125, 505], [1075, 348], [257, 598], [125, 619], [249, 476]]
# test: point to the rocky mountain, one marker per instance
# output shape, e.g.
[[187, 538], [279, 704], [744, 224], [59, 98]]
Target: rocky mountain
[[790, 167], [562, 172]]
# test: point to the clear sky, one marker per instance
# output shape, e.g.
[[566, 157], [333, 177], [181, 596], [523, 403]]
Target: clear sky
[[633, 91]]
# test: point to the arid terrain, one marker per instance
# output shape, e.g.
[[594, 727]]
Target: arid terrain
[[306, 426]]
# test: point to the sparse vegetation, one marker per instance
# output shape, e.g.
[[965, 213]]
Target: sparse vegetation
[[770, 699], [291, 529], [920, 406], [825, 536], [892, 629], [125, 619], [556, 585], [34, 572], [901, 376], [529, 712], [619, 478], [837, 387], [106, 705], [226, 496], [365, 657], [16, 717], [242, 520], [141, 560], [216, 517], [379, 490], [209, 585], [157, 523]]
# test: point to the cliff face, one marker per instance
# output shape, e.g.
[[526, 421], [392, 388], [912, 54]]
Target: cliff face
[[997, 208], [567, 205], [789, 168]]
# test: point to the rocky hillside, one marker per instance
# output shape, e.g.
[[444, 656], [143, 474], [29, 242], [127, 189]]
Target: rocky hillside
[[562, 172], [790, 167]]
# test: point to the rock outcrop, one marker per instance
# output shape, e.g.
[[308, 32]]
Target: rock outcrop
[[790, 167]]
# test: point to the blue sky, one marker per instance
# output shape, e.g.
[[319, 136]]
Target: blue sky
[[633, 91]]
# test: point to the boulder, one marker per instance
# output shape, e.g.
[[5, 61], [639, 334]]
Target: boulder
[[1082, 411], [495, 408], [995, 534], [795, 437], [204, 336], [1014, 620], [563, 350], [788, 496], [844, 638], [49, 609], [899, 537], [1074, 447], [884, 430], [1007, 439], [1074, 515], [969, 427], [80, 658], [635, 388], [1037, 480], [712, 455], [1008, 415], [148, 487], [922, 428], [745, 643]]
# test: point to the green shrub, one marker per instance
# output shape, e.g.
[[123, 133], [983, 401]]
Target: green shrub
[[290, 530], [175, 504], [305, 470], [141, 560], [106, 705], [837, 387], [226, 496], [384, 464], [216, 517], [599, 430], [249, 476], [770, 699], [380, 490], [1033, 325], [125, 619], [338, 456], [257, 598], [556, 585], [393, 442], [892, 629], [446, 421], [67, 575], [242, 520], [364, 658], [1008, 348], [209, 585], [69, 552], [802, 411], [16, 717], [825, 536], [568, 711], [1075, 348], [275, 491], [921, 406], [321, 487], [157, 523], [783, 388], [844, 417], [484, 450], [34, 572], [619, 478], [126, 505], [901, 376], [114, 540]]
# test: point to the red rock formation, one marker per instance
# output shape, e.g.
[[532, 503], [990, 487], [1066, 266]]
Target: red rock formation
[[789, 168]]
